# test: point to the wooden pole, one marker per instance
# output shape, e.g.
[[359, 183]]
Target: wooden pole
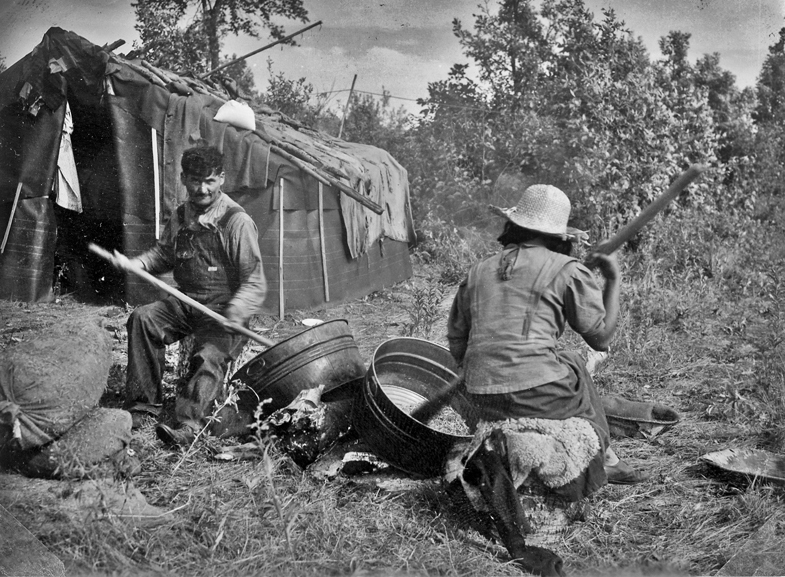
[[121, 261], [648, 213], [321, 244], [329, 181], [346, 108], [11, 216], [156, 185], [280, 250], [113, 46], [222, 66]]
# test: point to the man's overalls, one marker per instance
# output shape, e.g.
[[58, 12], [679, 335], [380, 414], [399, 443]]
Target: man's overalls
[[203, 272]]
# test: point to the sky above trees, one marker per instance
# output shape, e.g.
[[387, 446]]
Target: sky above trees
[[402, 45]]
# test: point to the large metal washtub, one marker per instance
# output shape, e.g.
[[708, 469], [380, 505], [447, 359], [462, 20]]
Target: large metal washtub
[[405, 372], [322, 355]]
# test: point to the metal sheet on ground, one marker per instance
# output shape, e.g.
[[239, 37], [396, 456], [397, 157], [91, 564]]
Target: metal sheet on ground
[[751, 462], [22, 554], [762, 553]]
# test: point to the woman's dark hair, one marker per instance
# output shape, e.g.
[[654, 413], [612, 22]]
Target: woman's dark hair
[[202, 161], [514, 234]]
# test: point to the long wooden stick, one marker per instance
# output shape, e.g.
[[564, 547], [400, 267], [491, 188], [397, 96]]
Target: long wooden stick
[[280, 250], [635, 225], [141, 70], [346, 108], [323, 178], [321, 244], [113, 46], [121, 261], [11, 216], [222, 66]]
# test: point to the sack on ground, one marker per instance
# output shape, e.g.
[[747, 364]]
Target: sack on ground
[[101, 435], [50, 381]]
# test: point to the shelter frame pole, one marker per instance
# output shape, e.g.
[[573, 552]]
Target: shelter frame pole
[[346, 108], [328, 180], [156, 185], [11, 216], [321, 244], [280, 250], [292, 35]]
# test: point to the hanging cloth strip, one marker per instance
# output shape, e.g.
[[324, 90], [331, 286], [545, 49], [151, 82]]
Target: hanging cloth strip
[[67, 184]]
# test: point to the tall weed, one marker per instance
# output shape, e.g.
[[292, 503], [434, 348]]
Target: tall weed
[[425, 312]]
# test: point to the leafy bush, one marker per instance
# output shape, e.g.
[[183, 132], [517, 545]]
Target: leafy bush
[[451, 248], [560, 97]]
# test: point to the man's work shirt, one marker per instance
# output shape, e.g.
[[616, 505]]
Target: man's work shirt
[[504, 332], [215, 256]]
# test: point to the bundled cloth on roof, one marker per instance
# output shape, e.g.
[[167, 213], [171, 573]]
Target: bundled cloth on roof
[[236, 113]]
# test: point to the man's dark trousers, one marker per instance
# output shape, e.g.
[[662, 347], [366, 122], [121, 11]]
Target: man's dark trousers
[[153, 326]]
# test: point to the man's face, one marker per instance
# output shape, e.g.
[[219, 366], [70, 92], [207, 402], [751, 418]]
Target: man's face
[[202, 191]]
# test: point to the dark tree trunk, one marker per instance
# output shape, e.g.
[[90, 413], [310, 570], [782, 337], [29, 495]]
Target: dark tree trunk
[[210, 22]]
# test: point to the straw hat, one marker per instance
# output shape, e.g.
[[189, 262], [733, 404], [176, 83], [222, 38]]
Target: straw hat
[[545, 209]]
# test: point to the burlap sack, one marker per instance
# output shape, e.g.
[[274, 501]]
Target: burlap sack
[[50, 381]]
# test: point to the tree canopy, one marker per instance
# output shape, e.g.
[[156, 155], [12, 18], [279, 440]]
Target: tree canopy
[[561, 96], [189, 34]]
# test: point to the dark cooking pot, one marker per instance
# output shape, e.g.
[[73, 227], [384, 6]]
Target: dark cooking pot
[[322, 355], [404, 373]]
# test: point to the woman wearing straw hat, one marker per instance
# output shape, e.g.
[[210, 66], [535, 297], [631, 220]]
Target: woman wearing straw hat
[[536, 409]]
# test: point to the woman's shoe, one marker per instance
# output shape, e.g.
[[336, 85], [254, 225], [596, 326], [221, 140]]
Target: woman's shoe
[[622, 474]]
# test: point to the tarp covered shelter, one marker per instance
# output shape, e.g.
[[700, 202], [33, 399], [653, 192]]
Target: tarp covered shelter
[[334, 217]]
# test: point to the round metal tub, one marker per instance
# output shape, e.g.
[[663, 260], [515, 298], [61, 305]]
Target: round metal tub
[[322, 355], [404, 373]]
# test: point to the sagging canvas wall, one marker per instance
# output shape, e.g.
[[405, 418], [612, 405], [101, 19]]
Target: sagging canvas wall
[[384, 264]]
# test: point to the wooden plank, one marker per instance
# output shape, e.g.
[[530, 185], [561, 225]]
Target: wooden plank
[[321, 244], [156, 185], [280, 251], [22, 554], [11, 217]]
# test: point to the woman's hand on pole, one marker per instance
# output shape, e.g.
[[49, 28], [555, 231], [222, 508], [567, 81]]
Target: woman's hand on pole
[[607, 263], [609, 268]]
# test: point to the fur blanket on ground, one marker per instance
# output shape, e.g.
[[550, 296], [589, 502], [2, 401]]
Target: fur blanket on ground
[[556, 451]]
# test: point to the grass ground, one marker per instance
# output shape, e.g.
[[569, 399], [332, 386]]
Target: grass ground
[[701, 332]]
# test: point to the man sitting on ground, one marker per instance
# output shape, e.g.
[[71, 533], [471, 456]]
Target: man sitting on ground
[[212, 246]]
